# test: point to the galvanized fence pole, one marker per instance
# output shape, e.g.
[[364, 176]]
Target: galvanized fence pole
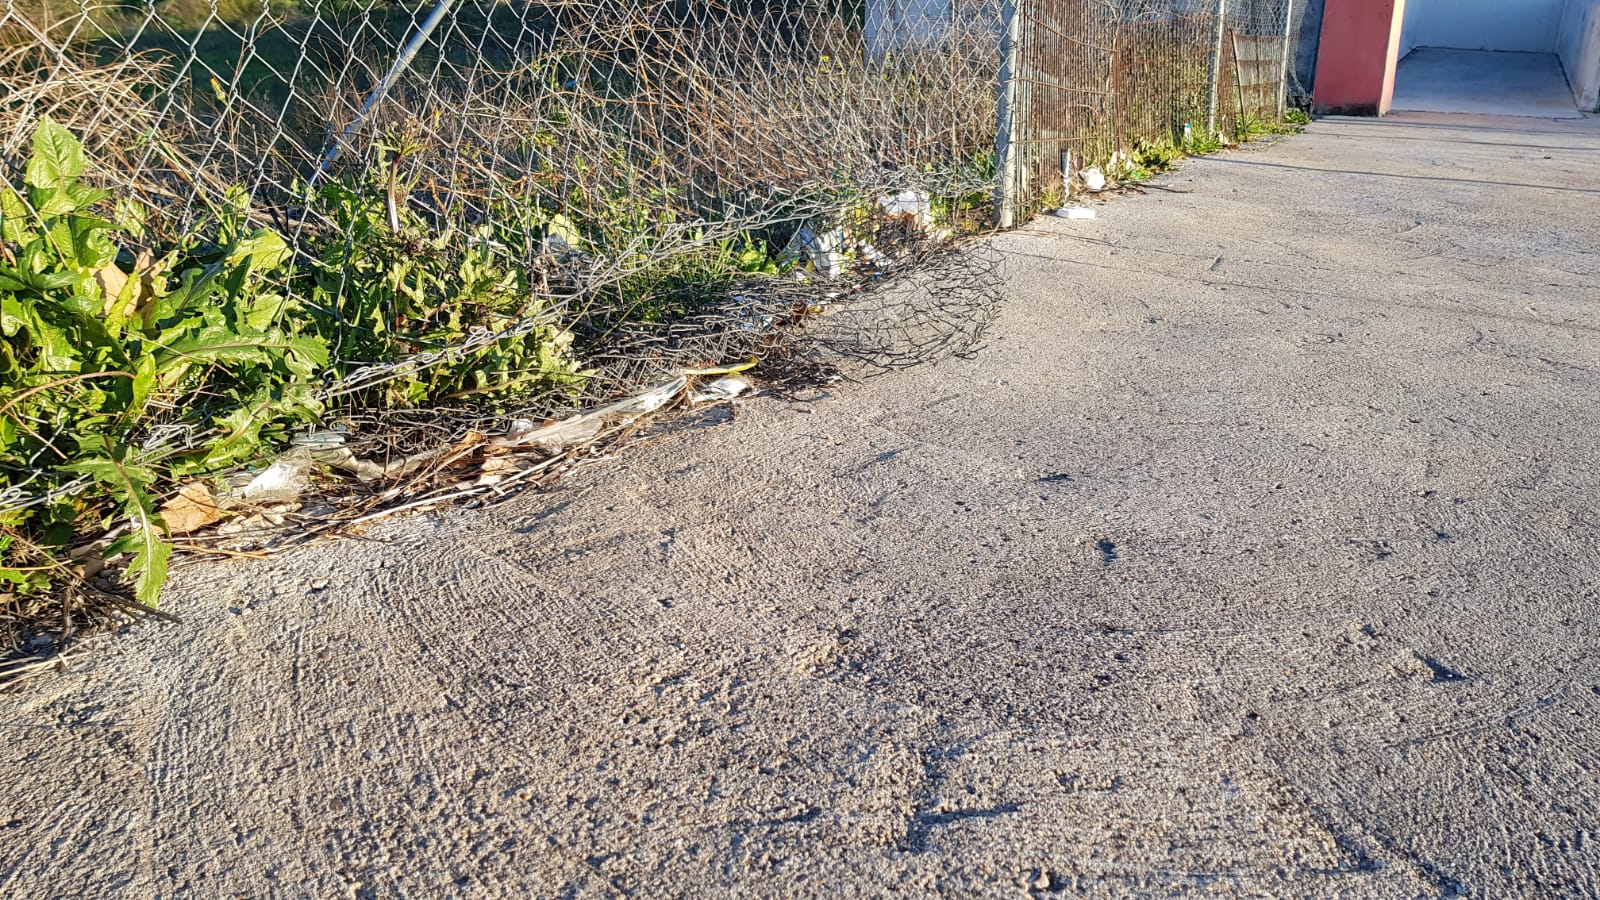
[[400, 63], [1008, 187], [1215, 87]]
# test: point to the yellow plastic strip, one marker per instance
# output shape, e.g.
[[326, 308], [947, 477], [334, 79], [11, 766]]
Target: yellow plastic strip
[[724, 370]]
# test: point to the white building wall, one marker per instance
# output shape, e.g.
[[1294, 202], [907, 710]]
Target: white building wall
[[1524, 25], [1578, 45], [894, 25], [1408, 26]]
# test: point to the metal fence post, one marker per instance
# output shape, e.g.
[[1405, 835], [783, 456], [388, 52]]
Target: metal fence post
[[1216, 68], [373, 99], [1007, 188]]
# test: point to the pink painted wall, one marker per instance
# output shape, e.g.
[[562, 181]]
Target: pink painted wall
[[1356, 60]]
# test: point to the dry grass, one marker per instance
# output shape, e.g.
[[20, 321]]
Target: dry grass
[[133, 148], [106, 104], [727, 125]]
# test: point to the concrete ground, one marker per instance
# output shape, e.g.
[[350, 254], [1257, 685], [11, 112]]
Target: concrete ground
[[1257, 555], [1483, 82]]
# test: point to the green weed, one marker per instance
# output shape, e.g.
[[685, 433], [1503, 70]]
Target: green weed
[[385, 285], [1199, 143], [113, 334], [1251, 127], [105, 338]]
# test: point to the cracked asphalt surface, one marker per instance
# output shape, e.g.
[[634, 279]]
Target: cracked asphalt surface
[[1255, 555]]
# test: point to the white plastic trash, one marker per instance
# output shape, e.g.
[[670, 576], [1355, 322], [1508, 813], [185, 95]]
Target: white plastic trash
[[568, 432], [825, 250], [1094, 180], [647, 402], [1075, 212], [724, 388], [284, 480], [913, 204]]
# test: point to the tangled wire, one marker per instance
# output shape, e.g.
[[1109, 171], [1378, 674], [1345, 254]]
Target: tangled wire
[[620, 191]]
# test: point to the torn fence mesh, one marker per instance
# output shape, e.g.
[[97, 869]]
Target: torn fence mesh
[[665, 184]]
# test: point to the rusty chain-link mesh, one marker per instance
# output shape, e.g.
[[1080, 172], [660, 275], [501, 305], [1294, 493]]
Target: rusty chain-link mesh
[[1087, 78], [671, 125], [706, 120], [602, 151], [582, 143]]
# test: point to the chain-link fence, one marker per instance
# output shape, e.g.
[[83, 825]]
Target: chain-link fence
[[1085, 79], [629, 132], [411, 223], [600, 148], [588, 195]]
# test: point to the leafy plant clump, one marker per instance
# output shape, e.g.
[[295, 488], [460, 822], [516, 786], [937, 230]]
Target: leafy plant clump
[[384, 284], [134, 364], [1199, 142], [1252, 127], [107, 337]]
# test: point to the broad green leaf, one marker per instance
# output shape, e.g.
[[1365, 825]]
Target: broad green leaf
[[216, 344], [57, 354], [306, 357], [13, 315], [144, 382], [43, 282], [51, 203], [15, 224], [57, 157], [240, 431], [262, 311], [263, 249], [129, 483], [38, 269], [84, 299], [87, 222], [90, 244], [150, 556], [84, 196], [195, 285], [58, 232], [126, 480], [311, 349]]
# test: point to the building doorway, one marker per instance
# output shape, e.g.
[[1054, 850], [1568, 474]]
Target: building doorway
[[1483, 82], [1489, 57]]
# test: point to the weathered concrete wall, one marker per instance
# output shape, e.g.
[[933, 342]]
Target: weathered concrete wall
[[1578, 45], [1521, 25]]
